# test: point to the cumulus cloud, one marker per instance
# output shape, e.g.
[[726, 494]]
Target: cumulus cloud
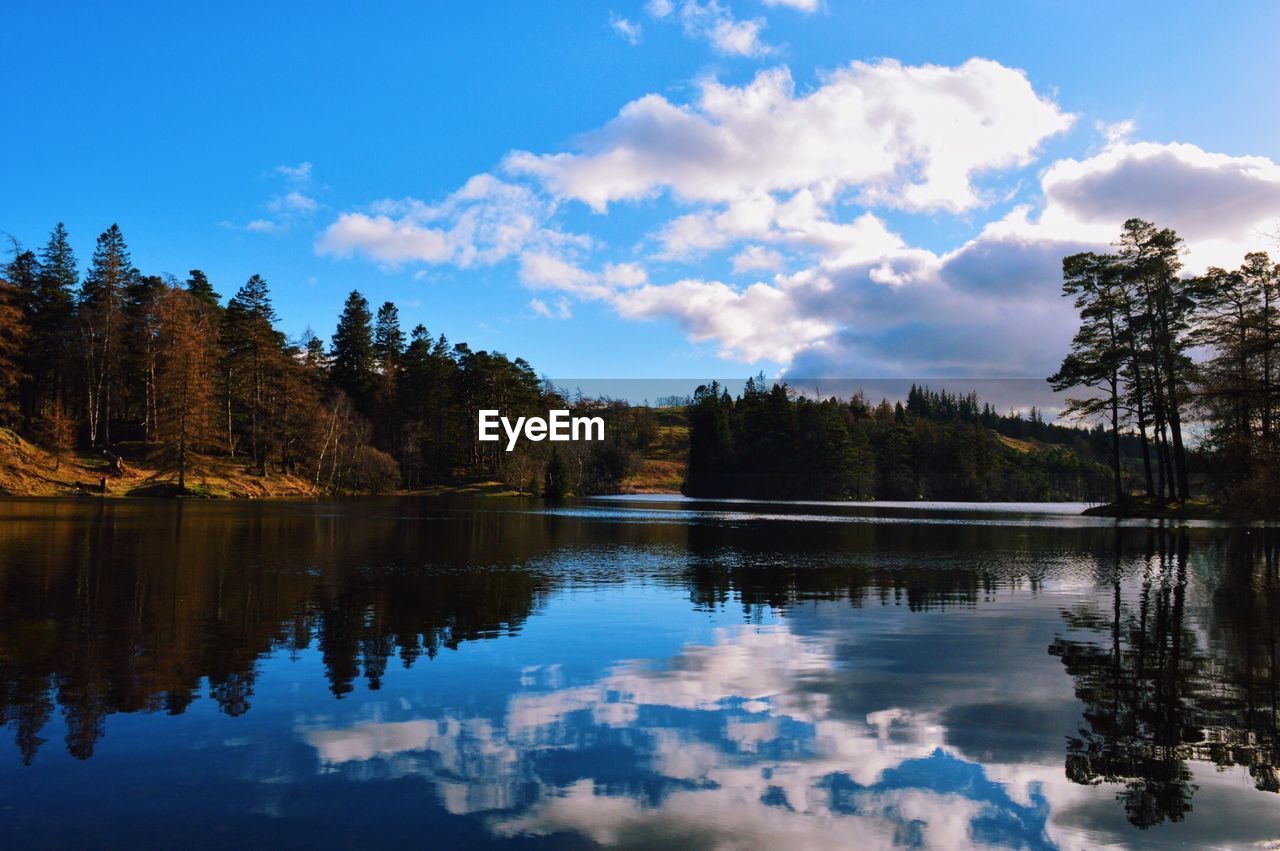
[[485, 222], [759, 322], [764, 177], [992, 306], [911, 137], [1220, 204], [755, 258]]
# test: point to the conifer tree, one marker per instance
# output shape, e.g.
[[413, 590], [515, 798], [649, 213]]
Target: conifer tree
[[51, 313], [252, 351], [353, 356], [101, 321], [13, 333], [1098, 348], [184, 386], [198, 285]]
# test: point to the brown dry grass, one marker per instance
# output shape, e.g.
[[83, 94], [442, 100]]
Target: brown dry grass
[[28, 470]]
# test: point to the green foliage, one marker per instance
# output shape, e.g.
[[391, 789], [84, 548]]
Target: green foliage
[[555, 484], [773, 444]]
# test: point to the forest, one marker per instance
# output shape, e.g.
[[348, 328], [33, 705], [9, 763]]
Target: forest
[[1171, 385], [771, 442], [135, 366], [1173, 391]]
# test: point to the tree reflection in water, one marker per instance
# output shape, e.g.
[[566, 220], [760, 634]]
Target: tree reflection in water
[[852, 698], [1160, 693]]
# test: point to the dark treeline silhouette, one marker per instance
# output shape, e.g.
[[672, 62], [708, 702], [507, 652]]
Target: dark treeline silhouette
[[773, 443], [1140, 320], [139, 365], [1156, 696]]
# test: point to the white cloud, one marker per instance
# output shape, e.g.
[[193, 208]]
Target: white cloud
[[759, 322], [912, 137], [714, 23], [623, 275], [299, 175], [800, 5], [874, 306], [287, 208], [293, 204], [629, 30], [560, 310], [756, 258], [261, 226], [763, 177], [485, 222], [540, 270]]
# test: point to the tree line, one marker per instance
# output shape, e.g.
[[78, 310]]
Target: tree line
[[124, 362], [1140, 322], [771, 442]]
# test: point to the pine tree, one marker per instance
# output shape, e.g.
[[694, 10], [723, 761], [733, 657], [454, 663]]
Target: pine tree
[[50, 309], [1098, 348], [100, 310], [388, 339], [354, 359], [20, 386], [252, 350], [198, 285]]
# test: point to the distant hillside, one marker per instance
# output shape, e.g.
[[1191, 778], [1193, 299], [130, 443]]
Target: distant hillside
[[666, 459]]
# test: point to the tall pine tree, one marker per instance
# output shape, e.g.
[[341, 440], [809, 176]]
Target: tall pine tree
[[101, 315], [354, 359]]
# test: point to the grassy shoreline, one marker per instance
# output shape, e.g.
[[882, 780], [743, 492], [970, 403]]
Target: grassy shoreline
[[1145, 508]]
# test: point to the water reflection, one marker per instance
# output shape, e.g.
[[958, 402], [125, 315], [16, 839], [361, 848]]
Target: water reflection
[[711, 680], [736, 742], [1157, 696]]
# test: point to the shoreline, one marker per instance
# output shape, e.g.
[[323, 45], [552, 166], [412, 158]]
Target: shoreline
[[1150, 509]]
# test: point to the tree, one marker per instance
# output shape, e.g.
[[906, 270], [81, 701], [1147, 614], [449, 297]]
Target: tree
[[100, 310], [1098, 349], [389, 349], [184, 383], [13, 332], [58, 431], [1150, 259], [388, 339], [252, 351], [353, 357], [1238, 323], [199, 287], [54, 306], [556, 482]]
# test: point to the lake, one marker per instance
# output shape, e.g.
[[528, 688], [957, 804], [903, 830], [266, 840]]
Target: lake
[[633, 673]]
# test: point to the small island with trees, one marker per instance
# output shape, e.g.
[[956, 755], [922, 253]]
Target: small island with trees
[[118, 382]]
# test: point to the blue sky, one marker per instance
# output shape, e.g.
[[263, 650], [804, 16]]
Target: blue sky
[[678, 189]]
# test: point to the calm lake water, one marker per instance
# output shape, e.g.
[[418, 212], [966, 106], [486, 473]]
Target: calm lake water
[[632, 674]]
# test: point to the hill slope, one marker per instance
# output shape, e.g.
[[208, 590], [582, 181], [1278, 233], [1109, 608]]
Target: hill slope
[[28, 470]]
